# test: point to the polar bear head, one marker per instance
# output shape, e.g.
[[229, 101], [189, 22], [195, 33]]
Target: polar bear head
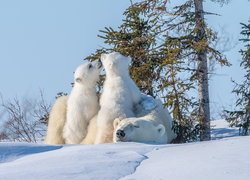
[[115, 64], [88, 73], [138, 130]]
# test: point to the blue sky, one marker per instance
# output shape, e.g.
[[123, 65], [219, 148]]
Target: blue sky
[[42, 42]]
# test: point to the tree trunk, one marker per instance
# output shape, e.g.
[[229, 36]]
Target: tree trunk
[[202, 70]]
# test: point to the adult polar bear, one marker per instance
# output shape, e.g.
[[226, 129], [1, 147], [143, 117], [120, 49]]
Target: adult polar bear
[[78, 108], [153, 126], [119, 96]]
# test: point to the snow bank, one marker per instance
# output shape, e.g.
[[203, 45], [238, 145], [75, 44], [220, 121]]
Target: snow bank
[[110, 161], [220, 129], [223, 159], [226, 159]]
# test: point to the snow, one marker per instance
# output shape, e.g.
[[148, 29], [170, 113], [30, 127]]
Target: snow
[[220, 129], [108, 161], [13, 151], [226, 158]]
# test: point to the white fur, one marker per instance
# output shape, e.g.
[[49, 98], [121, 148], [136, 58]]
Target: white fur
[[91, 133], [119, 95], [82, 103], [57, 118], [154, 126]]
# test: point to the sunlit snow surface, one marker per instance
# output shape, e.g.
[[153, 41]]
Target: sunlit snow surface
[[226, 158], [220, 129]]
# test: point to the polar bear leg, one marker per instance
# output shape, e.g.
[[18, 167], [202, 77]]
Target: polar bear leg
[[104, 135], [91, 133]]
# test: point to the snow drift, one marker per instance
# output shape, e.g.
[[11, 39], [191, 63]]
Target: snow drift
[[221, 159]]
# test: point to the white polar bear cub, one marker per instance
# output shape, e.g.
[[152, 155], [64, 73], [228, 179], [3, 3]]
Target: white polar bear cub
[[57, 118], [120, 94], [82, 102], [154, 127]]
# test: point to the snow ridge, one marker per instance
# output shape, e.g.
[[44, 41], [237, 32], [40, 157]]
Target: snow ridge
[[135, 168]]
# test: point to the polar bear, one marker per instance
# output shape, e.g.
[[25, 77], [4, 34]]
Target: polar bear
[[57, 118], [82, 102], [154, 127], [120, 94], [58, 113]]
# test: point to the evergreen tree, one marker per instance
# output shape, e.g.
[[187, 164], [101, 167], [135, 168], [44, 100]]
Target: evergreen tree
[[241, 116], [188, 47], [136, 38]]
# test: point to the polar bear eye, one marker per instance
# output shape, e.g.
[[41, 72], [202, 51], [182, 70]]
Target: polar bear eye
[[90, 66], [136, 126]]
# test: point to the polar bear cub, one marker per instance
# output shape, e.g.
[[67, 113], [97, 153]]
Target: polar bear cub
[[120, 94], [154, 127], [57, 118], [82, 102]]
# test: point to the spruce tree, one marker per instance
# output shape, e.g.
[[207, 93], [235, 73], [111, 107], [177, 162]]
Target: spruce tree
[[240, 117], [188, 47], [136, 37]]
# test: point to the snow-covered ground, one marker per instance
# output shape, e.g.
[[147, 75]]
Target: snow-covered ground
[[220, 129], [226, 158]]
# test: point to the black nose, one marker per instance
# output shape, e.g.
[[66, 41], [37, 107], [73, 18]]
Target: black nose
[[120, 133]]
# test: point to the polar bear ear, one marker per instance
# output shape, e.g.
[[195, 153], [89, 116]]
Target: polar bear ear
[[161, 129], [116, 122], [103, 56], [78, 80]]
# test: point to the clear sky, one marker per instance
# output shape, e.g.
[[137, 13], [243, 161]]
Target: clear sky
[[42, 42]]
